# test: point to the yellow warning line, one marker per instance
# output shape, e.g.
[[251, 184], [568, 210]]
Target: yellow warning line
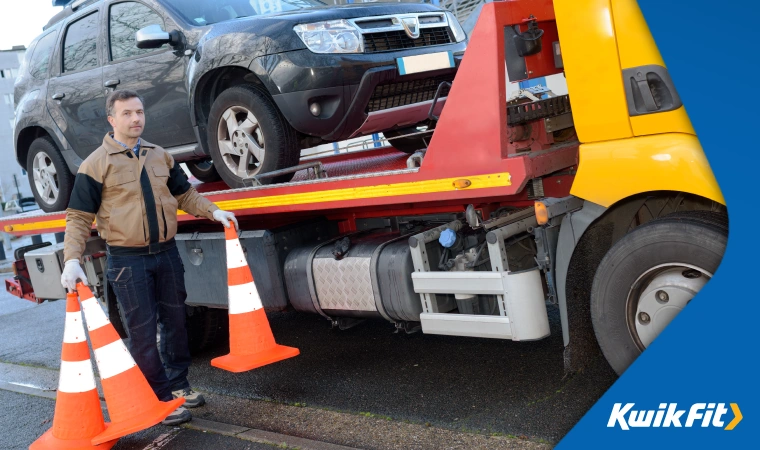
[[367, 192], [33, 226], [493, 180]]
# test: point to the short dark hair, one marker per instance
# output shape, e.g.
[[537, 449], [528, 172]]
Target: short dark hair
[[120, 95]]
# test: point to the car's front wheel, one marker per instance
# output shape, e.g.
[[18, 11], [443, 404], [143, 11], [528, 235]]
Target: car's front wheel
[[248, 136], [49, 176]]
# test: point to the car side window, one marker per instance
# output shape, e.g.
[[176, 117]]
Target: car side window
[[125, 20], [40, 61], [80, 43]]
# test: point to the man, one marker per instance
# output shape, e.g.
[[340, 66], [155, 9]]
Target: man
[[133, 189]]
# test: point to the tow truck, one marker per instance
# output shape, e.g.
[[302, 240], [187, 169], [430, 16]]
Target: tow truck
[[597, 206]]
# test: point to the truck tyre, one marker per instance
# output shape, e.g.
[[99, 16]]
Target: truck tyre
[[205, 327], [113, 311], [203, 170], [649, 276], [49, 175], [248, 136]]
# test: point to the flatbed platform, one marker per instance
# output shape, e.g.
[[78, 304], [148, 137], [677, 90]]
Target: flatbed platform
[[376, 161], [470, 160], [366, 182]]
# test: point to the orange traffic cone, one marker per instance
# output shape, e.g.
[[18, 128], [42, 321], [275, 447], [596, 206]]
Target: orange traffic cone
[[78, 417], [252, 344], [132, 404]]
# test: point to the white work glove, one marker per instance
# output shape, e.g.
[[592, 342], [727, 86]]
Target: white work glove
[[223, 216], [72, 271]]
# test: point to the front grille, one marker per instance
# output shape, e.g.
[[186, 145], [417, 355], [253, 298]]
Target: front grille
[[405, 93], [398, 39]]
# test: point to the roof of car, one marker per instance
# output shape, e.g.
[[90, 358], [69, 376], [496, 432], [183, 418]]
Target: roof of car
[[68, 11]]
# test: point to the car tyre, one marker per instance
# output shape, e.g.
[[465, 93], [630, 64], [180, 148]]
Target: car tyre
[[49, 175], [203, 170], [245, 123]]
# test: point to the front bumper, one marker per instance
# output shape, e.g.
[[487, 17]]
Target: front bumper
[[358, 94]]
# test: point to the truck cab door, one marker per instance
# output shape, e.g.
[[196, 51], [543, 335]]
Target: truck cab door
[[654, 105], [158, 75], [75, 95]]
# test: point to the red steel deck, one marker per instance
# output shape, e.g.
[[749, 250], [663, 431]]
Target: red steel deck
[[469, 161]]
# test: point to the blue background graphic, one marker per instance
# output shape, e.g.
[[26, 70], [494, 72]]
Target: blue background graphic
[[709, 353]]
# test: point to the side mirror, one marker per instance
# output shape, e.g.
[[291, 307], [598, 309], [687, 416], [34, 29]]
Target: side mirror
[[153, 36]]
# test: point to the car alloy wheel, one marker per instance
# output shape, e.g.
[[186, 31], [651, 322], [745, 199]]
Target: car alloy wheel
[[241, 141], [247, 136], [45, 178]]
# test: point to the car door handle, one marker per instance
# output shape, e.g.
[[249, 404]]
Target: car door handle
[[58, 96], [111, 83]]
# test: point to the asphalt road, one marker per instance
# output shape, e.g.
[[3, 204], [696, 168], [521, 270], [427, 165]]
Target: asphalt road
[[22, 418], [480, 386], [25, 417]]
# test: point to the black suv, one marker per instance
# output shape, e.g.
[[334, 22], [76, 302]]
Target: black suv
[[234, 88]]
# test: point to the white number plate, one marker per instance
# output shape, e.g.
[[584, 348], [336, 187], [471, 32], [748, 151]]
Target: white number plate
[[424, 63]]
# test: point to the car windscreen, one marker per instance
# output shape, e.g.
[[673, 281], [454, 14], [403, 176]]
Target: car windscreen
[[205, 12]]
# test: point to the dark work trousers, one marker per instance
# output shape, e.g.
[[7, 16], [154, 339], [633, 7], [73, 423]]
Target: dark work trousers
[[150, 289]]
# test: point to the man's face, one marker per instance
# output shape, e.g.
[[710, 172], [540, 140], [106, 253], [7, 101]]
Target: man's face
[[128, 117]]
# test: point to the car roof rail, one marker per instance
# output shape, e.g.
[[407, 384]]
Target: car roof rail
[[67, 11]]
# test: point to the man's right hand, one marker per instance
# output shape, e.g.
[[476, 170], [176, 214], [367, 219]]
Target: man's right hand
[[72, 272]]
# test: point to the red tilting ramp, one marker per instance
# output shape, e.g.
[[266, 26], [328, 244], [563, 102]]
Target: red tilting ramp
[[470, 158]]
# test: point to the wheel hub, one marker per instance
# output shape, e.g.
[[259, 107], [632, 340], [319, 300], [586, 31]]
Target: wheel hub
[[659, 295], [241, 142], [45, 178]]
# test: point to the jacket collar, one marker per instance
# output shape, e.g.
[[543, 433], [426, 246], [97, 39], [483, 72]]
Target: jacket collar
[[113, 147]]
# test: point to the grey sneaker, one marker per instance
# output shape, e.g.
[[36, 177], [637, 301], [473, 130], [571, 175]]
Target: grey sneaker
[[192, 398], [180, 415]]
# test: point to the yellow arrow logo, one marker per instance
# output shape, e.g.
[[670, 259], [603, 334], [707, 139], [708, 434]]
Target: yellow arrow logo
[[737, 417]]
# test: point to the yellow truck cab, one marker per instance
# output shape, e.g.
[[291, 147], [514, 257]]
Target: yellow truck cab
[[651, 200]]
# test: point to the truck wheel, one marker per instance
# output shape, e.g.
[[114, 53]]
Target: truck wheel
[[408, 144], [248, 136], [649, 276], [205, 327], [49, 175], [204, 170], [113, 311]]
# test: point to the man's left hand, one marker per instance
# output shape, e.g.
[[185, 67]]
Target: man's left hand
[[225, 217]]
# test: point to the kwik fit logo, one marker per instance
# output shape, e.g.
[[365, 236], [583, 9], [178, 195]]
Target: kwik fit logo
[[669, 415]]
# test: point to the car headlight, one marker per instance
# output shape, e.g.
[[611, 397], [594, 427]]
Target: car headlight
[[456, 28], [332, 36]]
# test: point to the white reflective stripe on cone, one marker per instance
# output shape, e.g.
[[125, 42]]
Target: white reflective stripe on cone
[[113, 359], [235, 254], [76, 377], [94, 314], [73, 330], [244, 298]]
